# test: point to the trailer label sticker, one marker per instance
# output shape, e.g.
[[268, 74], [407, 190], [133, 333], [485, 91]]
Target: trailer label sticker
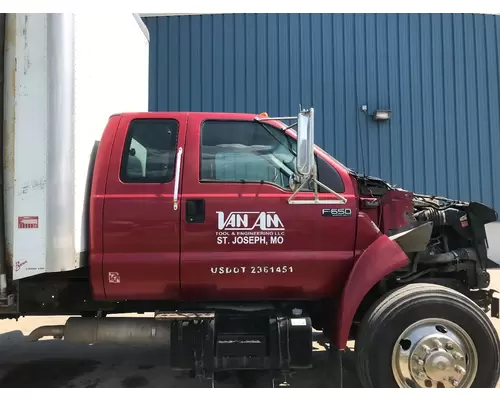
[[20, 264], [114, 277], [249, 228], [285, 269], [27, 222]]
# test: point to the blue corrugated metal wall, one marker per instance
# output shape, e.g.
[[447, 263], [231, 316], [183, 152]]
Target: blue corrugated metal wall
[[439, 74]]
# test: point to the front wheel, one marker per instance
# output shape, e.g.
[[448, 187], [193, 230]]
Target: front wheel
[[425, 335]]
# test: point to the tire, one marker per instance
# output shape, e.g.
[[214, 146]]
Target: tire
[[432, 306]]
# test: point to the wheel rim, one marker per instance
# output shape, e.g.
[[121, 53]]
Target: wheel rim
[[434, 353]]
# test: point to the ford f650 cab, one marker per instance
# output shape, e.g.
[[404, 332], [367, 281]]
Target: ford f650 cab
[[242, 236]]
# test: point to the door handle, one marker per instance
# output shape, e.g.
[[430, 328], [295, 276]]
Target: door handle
[[177, 178], [195, 211]]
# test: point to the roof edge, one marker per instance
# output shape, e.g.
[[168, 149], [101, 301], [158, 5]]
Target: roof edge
[[142, 25]]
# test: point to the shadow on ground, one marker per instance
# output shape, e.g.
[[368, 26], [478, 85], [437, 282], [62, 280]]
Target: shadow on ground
[[54, 364]]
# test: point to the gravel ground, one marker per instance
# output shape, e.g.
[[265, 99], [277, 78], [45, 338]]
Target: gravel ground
[[50, 363]]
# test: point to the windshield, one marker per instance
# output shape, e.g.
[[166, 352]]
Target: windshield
[[284, 128]]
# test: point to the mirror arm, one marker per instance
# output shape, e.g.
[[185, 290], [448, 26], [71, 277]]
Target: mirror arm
[[274, 118], [279, 119], [339, 200]]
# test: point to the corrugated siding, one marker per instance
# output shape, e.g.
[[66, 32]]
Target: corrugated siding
[[439, 74]]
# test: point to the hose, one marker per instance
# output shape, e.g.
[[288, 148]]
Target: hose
[[449, 257], [440, 218]]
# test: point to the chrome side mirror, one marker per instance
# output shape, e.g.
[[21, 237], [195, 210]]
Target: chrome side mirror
[[305, 144]]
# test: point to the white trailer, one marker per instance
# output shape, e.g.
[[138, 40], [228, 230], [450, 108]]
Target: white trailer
[[98, 61]]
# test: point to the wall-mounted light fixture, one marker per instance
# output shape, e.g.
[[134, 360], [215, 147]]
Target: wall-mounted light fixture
[[382, 115], [378, 115]]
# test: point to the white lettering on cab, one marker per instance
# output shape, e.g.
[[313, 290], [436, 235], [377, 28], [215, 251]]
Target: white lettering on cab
[[249, 228], [227, 270], [285, 269], [239, 221]]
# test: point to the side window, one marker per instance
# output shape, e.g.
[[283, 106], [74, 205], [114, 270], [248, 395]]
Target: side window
[[329, 176], [246, 151], [149, 152]]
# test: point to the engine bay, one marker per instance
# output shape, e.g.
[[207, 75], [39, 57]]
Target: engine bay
[[457, 248]]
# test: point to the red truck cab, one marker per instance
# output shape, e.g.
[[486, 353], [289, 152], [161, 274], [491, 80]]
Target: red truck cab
[[193, 205], [242, 236]]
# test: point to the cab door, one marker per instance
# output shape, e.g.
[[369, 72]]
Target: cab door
[[141, 227], [240, 239]]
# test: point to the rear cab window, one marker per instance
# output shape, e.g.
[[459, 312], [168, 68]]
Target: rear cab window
[[149, 152]]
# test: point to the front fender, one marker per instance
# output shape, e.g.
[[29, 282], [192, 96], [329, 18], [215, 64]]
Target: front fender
[[381, 258]]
